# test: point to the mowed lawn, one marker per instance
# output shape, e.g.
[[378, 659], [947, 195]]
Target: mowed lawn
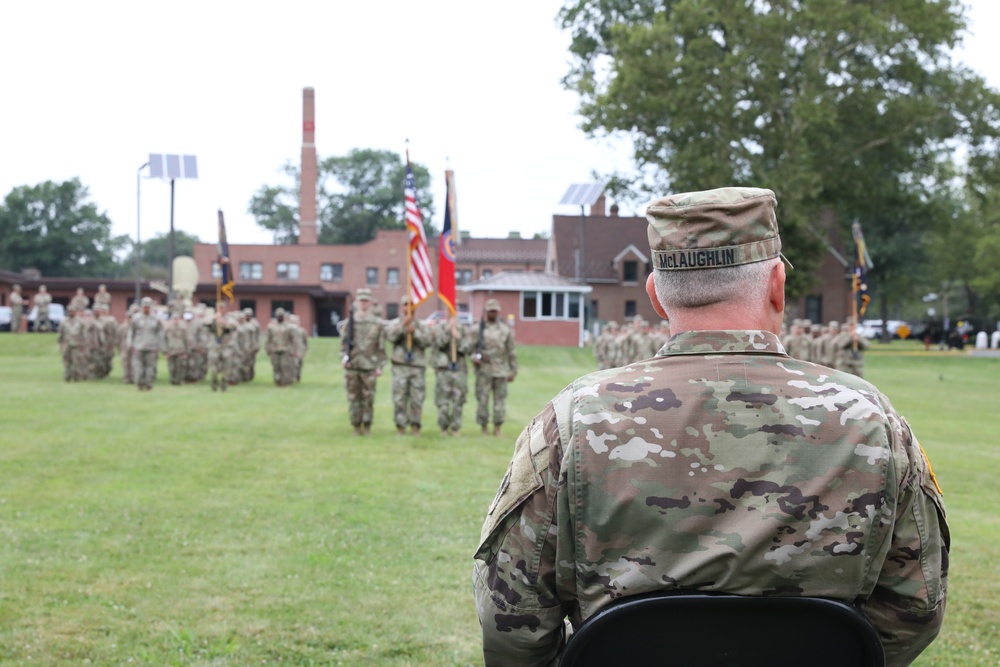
[[186, 527]]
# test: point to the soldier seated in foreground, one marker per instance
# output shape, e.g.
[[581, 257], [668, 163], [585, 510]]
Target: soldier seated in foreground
[[721, 464]]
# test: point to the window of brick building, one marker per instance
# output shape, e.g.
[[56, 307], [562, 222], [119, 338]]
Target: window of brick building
[[392, 277], [463, 276], [289, 306], [249, 303], [288, 270], [487, 273], [630, 310], [216, 271], [251, 271], [331, 273], [391, 311], [630, 271], [371, 275]]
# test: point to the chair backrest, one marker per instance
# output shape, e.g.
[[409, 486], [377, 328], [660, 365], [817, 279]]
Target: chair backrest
[[713, 630]]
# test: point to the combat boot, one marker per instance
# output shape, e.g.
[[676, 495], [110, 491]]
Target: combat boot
[[415, 429], [496, 430]]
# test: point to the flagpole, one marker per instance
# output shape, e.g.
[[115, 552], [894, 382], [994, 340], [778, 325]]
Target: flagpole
[[409, 269]]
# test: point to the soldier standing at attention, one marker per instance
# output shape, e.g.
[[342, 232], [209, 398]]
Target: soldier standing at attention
[[175, 347], [301, 346], [722, 464], [362, 353], [409, 338], [280, 346], [102, 298], [198, 339], [221, 330], [145, 337], [124, 349], [496, 366], [108, 327], [73, 335], [79, 302], [16, 308], [453, 344], [42, 301], [254, 343], [95, 341]]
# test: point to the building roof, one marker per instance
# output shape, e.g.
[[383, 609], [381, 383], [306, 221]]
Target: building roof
[[498, 251], [605, 240], [517, 281]]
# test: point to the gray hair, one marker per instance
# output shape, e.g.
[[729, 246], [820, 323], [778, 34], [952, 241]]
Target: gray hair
[[743, 285]]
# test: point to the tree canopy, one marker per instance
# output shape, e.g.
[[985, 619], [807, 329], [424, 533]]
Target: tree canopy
[[357, 194], [849, 108], [53, 227], [156, 252]]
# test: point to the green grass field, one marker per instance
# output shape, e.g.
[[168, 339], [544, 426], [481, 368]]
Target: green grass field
[[186, 527]]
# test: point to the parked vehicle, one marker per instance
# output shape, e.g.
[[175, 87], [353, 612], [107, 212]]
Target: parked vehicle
[[872, 329], [441, 315], [57, 313], [5, 316]]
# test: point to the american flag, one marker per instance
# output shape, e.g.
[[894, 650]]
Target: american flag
[[419, 265]]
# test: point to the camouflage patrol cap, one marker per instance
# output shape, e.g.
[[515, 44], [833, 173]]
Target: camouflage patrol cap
[[248, 311], [492, 304], [713, 229], [363, 294], [146, 301], [279, 311]]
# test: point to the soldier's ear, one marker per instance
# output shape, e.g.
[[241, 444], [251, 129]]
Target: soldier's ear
[[651, 293]]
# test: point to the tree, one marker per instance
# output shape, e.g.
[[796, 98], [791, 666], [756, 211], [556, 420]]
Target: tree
[[53, 228], [849, 107], [357, 194], [156, 252]]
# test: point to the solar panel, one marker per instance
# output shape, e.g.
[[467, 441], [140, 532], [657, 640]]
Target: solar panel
[[172, 166], [583, 194]]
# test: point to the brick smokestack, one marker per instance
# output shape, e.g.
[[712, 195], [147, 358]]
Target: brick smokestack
[[307, 188]]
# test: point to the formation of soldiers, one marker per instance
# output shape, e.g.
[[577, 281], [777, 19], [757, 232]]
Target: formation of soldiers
[[635, 340], [197, 343], [834, 345], [448, 346]]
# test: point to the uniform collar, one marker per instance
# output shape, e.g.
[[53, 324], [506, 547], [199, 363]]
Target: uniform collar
[[722, 342]]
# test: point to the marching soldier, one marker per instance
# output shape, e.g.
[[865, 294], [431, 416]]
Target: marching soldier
[[452, 346], [42, 301], [301, 346], [496, 366], [175, 347], [280, 346], [73, 342], [362, 350], [16, 308], [145, 338], [221, 330]]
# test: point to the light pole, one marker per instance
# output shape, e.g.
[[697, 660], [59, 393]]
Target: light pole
[[172, 167], [138, 240]]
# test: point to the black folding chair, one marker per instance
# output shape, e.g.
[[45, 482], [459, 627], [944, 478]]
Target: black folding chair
[[713, 630]]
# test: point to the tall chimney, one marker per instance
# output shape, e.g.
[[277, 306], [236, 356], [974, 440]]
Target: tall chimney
[[307, 188]]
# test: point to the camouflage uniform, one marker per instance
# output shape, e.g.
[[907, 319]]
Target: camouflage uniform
[[16, 309], [124, 345], [451, 384], [280, 346], [221, 331], [199, 337], [95, 341], [603, 345], [74, 340], [240, 369], [496, 367], [362, 349], [409, 378], [102, 300], [145, 339], [850, 355], [254, 343], [42, 301], [79, 302], [301, 347], [175, 347], [722, 464], [109, 340]]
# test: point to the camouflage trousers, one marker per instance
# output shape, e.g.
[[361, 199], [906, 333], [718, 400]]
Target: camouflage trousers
[[409, 388], [177, 365], [144, 368], [283, 364], [360, 396], [107, 361], [251, 365], [486, 385], [42, 323], [15, 321], [76, 364], [450, 391], [197, 365], [127, 374], [220, 362]]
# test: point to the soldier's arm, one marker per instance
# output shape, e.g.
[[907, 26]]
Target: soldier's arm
[[514, 574], [380, 349], [908, 603], [511, 352]]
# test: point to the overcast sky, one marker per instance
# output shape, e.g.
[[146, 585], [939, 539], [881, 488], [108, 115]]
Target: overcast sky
[[91, 88]]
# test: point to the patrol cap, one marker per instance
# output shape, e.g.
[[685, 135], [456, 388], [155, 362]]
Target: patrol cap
[[279, 311], [492, 304], [146, 301], [363, 294], [248, 311], [713, 229]]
